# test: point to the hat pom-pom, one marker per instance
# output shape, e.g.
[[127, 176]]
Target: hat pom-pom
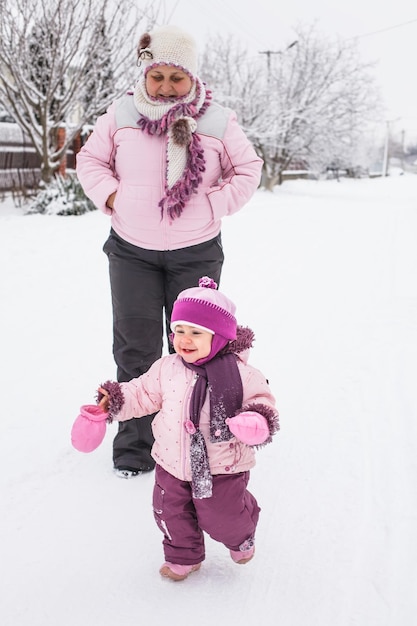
[[144, 41], [206, 281], [143, 47]]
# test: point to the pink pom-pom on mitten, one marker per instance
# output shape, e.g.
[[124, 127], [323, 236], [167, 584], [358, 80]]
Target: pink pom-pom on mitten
[[89, 428], [249, 427]]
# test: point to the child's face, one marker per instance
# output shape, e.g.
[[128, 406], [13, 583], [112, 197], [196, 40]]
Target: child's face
[[191, 343]]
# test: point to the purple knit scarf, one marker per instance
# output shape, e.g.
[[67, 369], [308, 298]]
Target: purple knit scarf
[[222, 378]]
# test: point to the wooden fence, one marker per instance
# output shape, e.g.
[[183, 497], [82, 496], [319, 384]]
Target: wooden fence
[[19, 162]]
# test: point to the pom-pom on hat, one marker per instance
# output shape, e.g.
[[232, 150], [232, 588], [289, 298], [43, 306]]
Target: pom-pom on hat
[[168, 45], [207, 308]]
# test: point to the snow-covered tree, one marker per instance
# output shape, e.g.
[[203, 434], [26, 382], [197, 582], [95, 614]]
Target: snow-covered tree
[[100, 75], [308, 104], [40, 65], [63, 61], [236, 78]]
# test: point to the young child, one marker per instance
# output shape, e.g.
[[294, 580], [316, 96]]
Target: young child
[[213, 410]]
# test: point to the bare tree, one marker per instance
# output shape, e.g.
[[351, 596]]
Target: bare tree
[[307, 104], [54, 64], [236, 78]]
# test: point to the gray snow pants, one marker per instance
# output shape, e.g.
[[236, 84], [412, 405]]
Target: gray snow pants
[[144, 285]]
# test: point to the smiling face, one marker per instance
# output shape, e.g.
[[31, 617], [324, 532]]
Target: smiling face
[[164, 81], [192, 343]]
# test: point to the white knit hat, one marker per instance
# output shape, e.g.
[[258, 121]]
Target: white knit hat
[[168, 45]]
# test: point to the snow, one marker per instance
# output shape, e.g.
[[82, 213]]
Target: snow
[[11, 133], [325, 273]]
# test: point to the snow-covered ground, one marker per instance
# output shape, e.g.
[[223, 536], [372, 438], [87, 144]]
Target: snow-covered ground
[[326, 275]]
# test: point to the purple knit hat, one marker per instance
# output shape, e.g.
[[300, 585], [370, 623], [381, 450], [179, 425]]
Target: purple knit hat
[[207, 308]]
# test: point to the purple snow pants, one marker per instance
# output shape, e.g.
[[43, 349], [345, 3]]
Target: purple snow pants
[[230, 516]]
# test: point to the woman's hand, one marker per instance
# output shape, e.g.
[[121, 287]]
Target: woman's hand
[[110, 200]]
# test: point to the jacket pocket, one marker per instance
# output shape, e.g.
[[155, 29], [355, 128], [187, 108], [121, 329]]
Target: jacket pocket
[[158, 510], [158, 499]]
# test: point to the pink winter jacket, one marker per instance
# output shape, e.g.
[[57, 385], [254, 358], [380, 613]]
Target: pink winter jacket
[[167, 388], [119, 157]]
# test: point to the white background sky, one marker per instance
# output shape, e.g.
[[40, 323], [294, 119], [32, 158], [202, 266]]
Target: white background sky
[[386, 32]]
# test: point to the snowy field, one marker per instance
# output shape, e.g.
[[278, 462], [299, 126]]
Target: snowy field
[[326, 275]]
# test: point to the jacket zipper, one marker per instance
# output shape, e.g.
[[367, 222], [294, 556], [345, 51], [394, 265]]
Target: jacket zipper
[[164, 220], [186, 416]]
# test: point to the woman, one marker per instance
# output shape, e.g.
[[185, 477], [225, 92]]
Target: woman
[[166, 163]]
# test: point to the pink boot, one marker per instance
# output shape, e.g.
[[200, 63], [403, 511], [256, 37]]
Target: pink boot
[[242, 556], [178, 572]]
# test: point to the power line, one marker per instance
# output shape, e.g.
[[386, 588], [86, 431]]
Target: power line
[[238, 19], [383, 30]]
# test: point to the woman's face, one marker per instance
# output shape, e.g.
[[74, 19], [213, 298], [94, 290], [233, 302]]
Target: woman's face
[[164, 81]]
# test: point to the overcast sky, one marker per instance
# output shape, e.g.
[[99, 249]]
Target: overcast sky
[[386, 33]]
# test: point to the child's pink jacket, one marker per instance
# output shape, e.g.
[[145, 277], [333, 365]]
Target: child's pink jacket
[[167, 388]]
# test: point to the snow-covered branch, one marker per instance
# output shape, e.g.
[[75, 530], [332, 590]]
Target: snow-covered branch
[[307, 105], [63, 61]]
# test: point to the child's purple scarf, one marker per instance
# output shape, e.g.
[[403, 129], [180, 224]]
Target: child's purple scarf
[[221, 376]]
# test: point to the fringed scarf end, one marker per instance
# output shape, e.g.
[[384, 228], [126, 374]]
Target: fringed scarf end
[[178, 195]]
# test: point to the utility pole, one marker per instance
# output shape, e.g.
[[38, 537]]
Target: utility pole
[[386, 150], [268, 58], [270, 52], [385, 163]]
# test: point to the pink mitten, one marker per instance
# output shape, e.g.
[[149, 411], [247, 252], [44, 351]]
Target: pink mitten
[[249, 427], [89, 428]]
